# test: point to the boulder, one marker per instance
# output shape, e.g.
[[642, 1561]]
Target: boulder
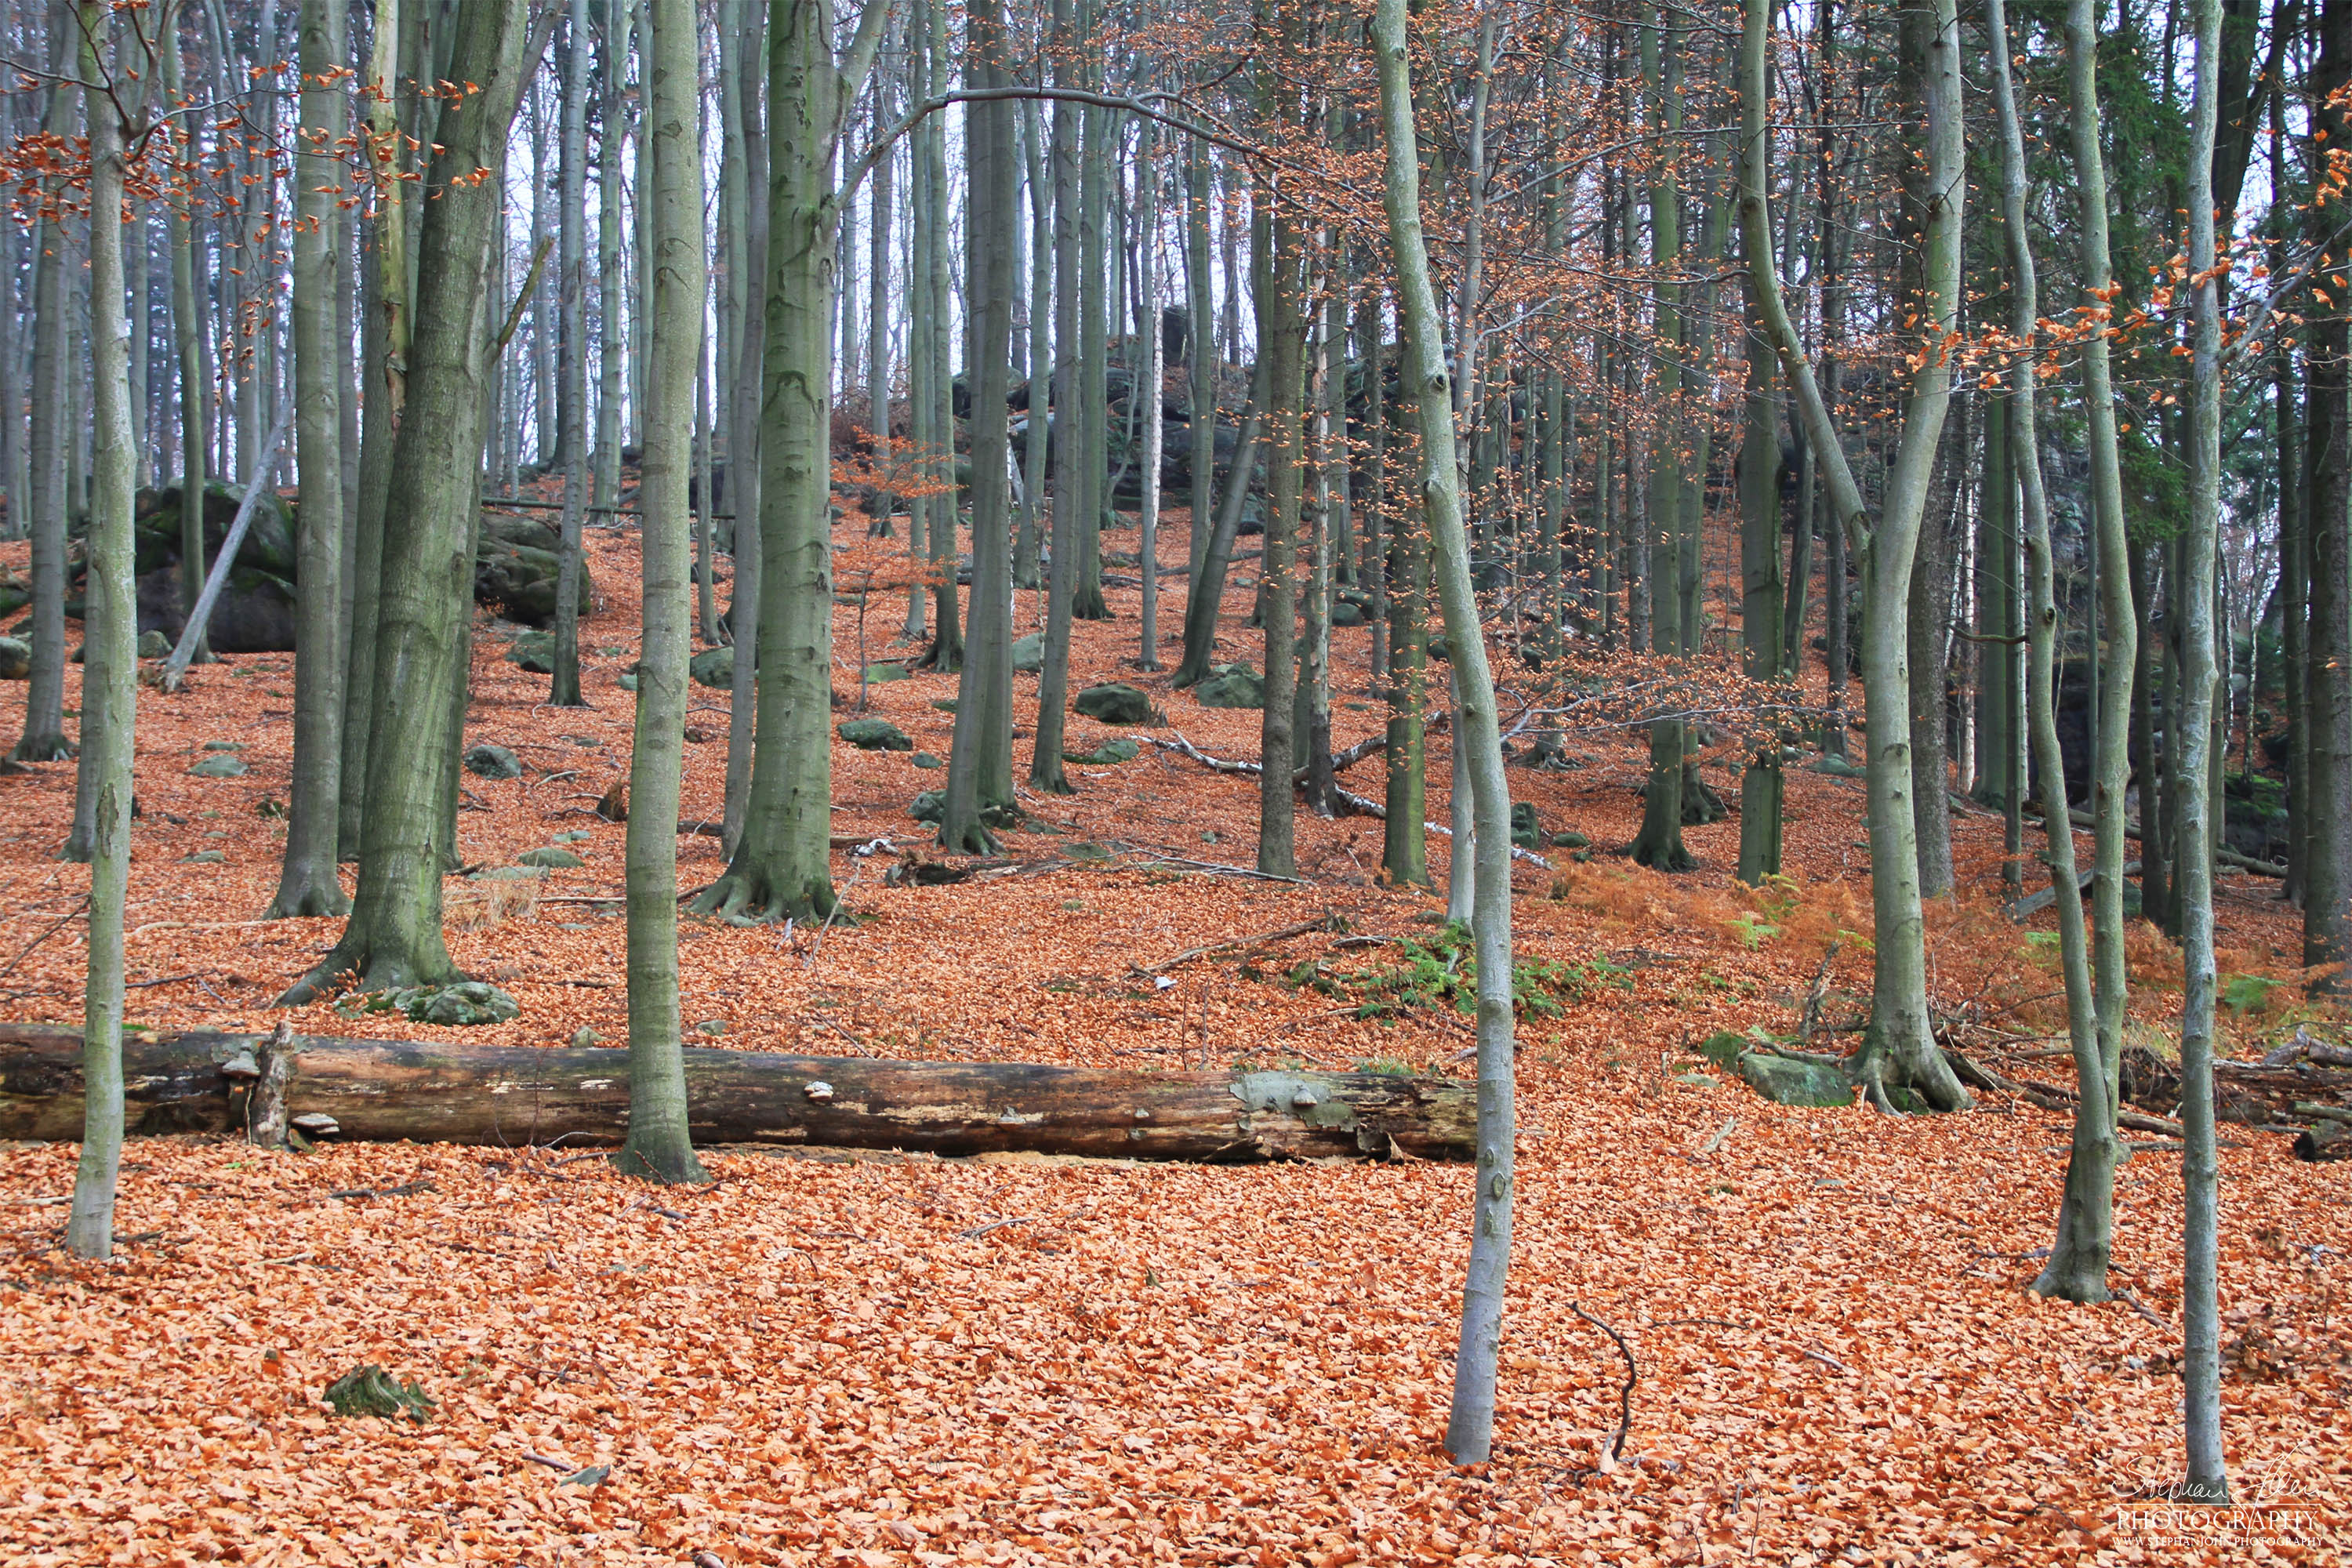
[[874, 735], [516, 568], [928, 807], [1107, 754], [467, 1003], [15, 660], [1836, 767], [489, 761], [1345, 612], [880, 674], [1784, 1081], [221, 766], [1526, 828], [153, 643], [925, 760], [1232, 686], [714, 667], [534, 651], [1570, 839], [255, 612], [551, 858], [1029, 653], [1115, 702]]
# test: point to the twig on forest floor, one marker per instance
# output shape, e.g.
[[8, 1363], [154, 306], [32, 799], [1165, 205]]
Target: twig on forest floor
[[1320, 923], [2136, 1305], [1633, 1375], [167, 980], [1223, 869], [1828, 1359], [1714, 1142], [845, 1034], [980, 1230], [59, 924], [560, 1466]]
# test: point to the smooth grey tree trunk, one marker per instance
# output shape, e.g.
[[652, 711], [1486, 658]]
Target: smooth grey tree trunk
[[394, 937], [612, 59], [658, 1145], [1900, 1046], [1276, 248], [572, 292], [1469, 1434], [979, 766], [2082, 1250], [1149, 391], [1045, 772], [387, 391], [2209, 1479], [43, 738], [2091, 1218], [744, 469], [110, 663], [308, 883], [782, 865]]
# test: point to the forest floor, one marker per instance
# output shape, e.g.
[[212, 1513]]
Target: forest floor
[[1013, 1361]]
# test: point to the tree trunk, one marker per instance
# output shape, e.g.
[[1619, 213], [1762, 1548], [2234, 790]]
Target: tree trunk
[[1147, 395], [44, 739], [782, 866], [1900, 1036], [1053, 681], [572, 289], [2209, 1480], [979, 765], [1091, 418], [2326, 734], [1762, 590], [1276, 247], [1659, 843], [744, 467], [111, 660], [387, 304], [659, 1146], [612, 140], [308, 883], [445, 1092], [187, 332], [1469, 1434], [1404, 842], [394, 937]]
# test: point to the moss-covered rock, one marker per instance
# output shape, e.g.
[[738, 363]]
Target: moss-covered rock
[[1115, 702], [874, 735], [1232, 686]]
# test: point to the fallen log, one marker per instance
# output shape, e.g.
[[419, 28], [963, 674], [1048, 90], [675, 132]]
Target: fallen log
[[447, 1092]]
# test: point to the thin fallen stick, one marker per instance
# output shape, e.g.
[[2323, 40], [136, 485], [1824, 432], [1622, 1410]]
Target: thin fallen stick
[[1633, 1375], [1320, 923], [58, 925], [980, 1230], [2136, 1305], [560, 1466]]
